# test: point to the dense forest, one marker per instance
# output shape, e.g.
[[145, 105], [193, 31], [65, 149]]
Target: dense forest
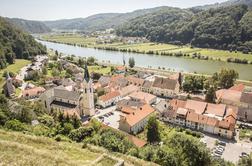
[[16, 44], [30, 26], [220, 28], [99, 21]]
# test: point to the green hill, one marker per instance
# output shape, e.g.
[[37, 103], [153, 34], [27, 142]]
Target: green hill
[[221, 28], [30, 26], [20, 149], [14, 43], [99, 21]]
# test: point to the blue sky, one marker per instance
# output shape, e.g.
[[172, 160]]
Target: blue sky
[[62, 9]]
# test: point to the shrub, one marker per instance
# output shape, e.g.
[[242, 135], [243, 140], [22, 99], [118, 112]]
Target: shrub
[[15, 125], [80, 134]]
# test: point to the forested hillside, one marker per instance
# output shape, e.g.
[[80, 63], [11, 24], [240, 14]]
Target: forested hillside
[[30, 26], [221, 28], [98, 21], [16, 44], [226, 4]]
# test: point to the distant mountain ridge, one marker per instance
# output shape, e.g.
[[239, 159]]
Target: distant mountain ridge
[[226, 4], [29, 25], [99, 21]]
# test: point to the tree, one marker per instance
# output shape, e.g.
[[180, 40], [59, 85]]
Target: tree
[[193, 83], [226, 78], [55, 72], [245, 161], [44, 71], [100, 91], [153, 135], [67, 128], [90, 60], [210, 95], [131, 62]]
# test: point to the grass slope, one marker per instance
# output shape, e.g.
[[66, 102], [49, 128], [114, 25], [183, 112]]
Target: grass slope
[[21, 149], [15, 68]]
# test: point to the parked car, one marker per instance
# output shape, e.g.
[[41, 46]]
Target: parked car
[[222, 143]]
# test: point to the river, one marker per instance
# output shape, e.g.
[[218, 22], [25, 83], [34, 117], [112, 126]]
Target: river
[[155, 61]]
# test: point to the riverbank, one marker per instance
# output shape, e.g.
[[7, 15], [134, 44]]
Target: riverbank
[[185, 51], [168, 63]]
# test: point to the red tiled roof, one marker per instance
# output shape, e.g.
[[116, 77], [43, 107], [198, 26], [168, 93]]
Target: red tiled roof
[[216, 109], [239, 87], [33, 92], [198, 106], [139, 114], [109, 96]]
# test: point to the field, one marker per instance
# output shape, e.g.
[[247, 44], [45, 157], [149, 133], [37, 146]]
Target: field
[[145, 47], [15, 68], [99, 69], [21, 149]]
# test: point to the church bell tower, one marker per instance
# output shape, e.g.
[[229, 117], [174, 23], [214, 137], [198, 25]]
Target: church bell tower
[[88, 94]]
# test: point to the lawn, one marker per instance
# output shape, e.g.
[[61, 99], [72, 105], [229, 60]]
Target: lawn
[[17, 148], [15, 68], [145, 47], [245, 134], [99, 69], [20, 149], [106, 161]]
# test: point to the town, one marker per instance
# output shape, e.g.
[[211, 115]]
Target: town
[[125, 99]]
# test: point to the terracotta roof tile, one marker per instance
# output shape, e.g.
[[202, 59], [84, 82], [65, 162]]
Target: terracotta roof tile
[[139, 114], [198, 106], [216, 109], [33, 92], [109, 96], [165, 83], [239, 87]]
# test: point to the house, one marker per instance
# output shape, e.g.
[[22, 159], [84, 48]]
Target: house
[[235, 96], [122, 105], [109, 99], [33, 93], [244, 114], [135, 121], [218, 119], [125, 91], [135, 81], [104, 81], [147, 86], [165, 87], [70, 98], [142, 96], [120, 69]]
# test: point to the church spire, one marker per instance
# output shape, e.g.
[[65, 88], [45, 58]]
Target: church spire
[[86, 73]]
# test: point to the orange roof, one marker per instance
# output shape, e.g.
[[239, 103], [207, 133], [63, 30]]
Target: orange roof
[[198, 106], [192, 116], [230, 95], [182, 111], [139, 114], [33, 92], [177, 103], [239, 87], [142, 96], [138, 142], [203, 119], [216, 109], [128, 89], [109, 96], [212, 121], [135, 80], [127, 110], [116, 77]]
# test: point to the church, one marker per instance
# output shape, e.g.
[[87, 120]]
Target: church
[[77, 98]]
